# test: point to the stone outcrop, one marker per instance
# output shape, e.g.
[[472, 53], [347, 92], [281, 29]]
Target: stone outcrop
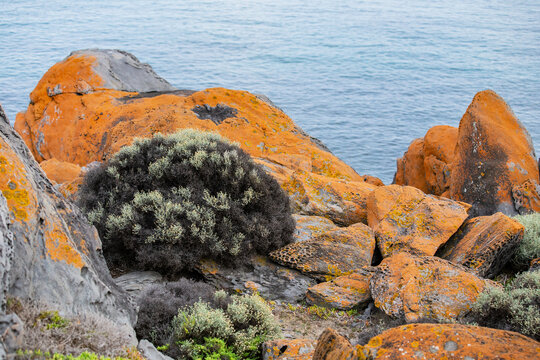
[[287, 349], [333, 253], [484, 244], [344, 292], [60, 171], [134, 283], [308, 227], [406, 219], [448, 341], [333, 346], [56, 252], [424, 287]]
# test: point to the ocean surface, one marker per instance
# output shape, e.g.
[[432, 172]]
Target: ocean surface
[[366, 77]]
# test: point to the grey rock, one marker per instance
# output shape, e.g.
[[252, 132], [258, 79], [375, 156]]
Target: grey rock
[[6, 250], [309, 227], [11, 333], [135, 282], [121, 70], [57, 254], [149, 351]]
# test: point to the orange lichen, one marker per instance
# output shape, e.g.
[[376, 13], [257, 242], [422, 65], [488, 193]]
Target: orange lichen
[[60, 247]]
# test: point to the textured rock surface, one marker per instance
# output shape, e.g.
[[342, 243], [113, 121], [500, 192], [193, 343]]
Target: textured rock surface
[[296, 349], [424, 287], [60, 171], [333, 253], [344, 292], [6, 250], [149, 351], [56, 252], [410, 168], [11, 334], [494, 154], [449, 341], [135, 282], [308, 227], [272, 281], [332, 346], [484, 244], [406, 219]]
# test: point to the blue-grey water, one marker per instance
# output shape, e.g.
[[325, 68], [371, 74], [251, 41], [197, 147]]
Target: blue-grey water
[[366, 77]]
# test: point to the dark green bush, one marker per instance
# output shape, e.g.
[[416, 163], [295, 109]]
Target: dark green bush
[[166, 202], [529, 248], [516, 307]]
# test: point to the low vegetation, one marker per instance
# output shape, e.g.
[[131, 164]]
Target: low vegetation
[[529, 248], [165, 202]]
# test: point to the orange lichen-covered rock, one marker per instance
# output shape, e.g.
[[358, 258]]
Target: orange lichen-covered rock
[[406, 219], [344, 292], [308, 227], [494, 155], [56, 252], [288, 349], [332, 346], [333, 253], [60, 171], [424, 287], [484, 244], [449, 341], [410, 168]]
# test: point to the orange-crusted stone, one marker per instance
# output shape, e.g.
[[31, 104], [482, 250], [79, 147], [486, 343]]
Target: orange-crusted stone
[[410, 168], [60, 171], [309, 227], [288, 349], [332, 346], [424, 287]]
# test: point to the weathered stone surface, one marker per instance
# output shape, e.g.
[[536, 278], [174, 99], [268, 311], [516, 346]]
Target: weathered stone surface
[[424, 287], [333, 253], [449, 341], [535, 264], [149, 351], [484, 244], [60, 171], [332, 346], [494, 155], [272, 281], [308, 227], [287, 349], [6, 250], [56, 252], [406, 219], [11, 333], [410, 168], [344, 292], [135, 282]]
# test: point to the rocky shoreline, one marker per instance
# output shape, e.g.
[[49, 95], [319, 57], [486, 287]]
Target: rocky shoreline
[[419, 252]]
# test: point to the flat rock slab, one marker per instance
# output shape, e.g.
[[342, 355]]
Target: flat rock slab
[[135, 282], [484, 244], [308, 227], [424, 287]]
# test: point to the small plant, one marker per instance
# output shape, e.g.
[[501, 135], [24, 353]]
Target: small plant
[[53, 320], [39, 355], [515, 307], [529, 248], [166, 202]]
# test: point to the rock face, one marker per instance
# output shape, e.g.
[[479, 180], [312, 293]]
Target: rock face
[[449, 341], [297, 349], [56, 252], [424, 287], [332, 346], [333, 253], [308, 227], [406, 219], [60, 171], [6, 250], [494, 154], [484, 244], [344, 292]]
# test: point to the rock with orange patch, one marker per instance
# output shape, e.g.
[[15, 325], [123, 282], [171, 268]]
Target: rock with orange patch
[[331, 254], [344, 292], [410, 168], [56, 252], [60, 171], [273, 282], [449, 341], [308, 227], [484, 244], [535, 264], [424, 287], [494, 155], [333, 346], [288, 349], [406, 219]]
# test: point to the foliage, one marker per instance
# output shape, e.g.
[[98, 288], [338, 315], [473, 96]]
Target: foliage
[[169, 201], [159, 304], [515, 307], [212, 349], [53, 320], [243, 325], [29, 354], [529, 248]]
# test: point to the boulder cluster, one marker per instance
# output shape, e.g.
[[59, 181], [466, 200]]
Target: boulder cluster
[[421, 250]]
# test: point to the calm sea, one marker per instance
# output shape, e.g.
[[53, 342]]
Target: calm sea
[[366, 77]]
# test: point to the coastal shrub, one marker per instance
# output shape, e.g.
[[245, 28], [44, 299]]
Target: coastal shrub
[[159, 304], [243, 325], [166, 202], [529, 248], [515, 307]]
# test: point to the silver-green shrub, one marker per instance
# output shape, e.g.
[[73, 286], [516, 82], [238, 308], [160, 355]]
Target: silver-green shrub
[[529, 248], [165, 202]]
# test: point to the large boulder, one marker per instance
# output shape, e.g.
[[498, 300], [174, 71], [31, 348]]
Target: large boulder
[[484, 244], [406, 219], [60, 172], [424, 287], [333, 253], [57, 253], [448, 341], [308, 227], [332, 346], [494, 157]]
